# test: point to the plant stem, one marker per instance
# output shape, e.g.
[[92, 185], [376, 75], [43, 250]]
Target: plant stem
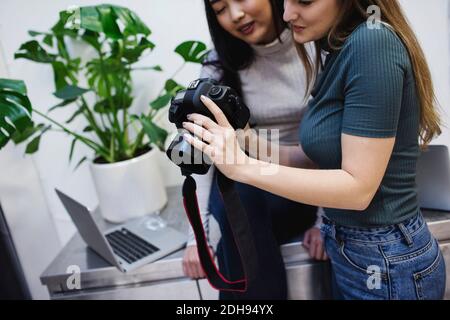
[[86, 111], [138, 142], [92, 122], [93, 145], [103, 122], [116, 125], [141, 133], [111, 149], [143, 68], [173, 76]]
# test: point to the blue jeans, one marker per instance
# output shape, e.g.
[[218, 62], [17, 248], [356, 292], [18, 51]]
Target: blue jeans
[[274, 220], [395, 262]]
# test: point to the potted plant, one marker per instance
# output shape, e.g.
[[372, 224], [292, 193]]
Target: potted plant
[[123, 144]]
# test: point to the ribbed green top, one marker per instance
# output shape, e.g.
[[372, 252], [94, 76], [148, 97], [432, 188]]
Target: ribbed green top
[[367, 89]]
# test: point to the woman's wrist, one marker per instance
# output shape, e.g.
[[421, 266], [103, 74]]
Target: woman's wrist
[[249, 172]]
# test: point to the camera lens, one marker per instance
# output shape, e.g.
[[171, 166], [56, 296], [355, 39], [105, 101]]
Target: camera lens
[[215, 92]]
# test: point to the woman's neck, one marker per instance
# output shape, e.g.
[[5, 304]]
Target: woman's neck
[[270, 37], [281, 42]]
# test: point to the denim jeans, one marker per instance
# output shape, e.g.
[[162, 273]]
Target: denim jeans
[[394, 262], [274, 220]]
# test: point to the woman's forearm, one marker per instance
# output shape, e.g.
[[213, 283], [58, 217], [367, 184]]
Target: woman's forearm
[[294, 156], [324, 188], [260, 148]]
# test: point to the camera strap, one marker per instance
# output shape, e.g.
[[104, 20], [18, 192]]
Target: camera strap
[[240, 226]]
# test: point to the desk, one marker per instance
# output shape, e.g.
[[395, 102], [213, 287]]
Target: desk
[[164, 279]]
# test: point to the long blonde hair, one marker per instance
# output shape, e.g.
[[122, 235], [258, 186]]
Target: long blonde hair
[[354, 12]]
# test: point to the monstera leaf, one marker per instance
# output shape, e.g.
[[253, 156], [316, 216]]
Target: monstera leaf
[[15, 109], [192, 51], [106, 18]]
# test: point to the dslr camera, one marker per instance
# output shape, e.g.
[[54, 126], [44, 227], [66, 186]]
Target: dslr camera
[[185, 102]]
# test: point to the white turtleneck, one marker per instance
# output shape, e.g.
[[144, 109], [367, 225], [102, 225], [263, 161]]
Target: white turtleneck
[[273, 88]]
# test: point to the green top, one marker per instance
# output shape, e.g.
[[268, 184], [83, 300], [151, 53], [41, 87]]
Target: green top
[[367, 89]]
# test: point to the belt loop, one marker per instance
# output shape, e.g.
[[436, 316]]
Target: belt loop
[[332, 226], [406, 234], [333, 231]]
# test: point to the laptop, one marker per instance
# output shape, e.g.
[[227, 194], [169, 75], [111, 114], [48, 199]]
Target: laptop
[[433, 178], [129, 245]]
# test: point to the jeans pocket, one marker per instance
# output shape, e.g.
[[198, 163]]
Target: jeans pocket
[[430, 282], [346, 256], [366, 259]]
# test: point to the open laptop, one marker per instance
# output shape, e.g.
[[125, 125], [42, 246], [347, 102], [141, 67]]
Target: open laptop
[[433, 178], [129, 245]]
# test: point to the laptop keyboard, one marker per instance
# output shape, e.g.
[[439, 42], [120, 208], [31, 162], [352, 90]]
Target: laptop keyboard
[[129, 246]]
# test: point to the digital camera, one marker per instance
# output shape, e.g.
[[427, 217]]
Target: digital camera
[[185, 102]]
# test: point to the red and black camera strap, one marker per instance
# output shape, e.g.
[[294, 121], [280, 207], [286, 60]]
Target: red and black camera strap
[[240, 225]]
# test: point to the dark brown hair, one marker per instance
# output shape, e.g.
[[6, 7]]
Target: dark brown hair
[[235, 54]]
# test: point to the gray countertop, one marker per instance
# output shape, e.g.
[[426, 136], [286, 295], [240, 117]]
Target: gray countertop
[[98, 273]]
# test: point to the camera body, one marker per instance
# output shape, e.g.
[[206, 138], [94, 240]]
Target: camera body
[[188, 101]]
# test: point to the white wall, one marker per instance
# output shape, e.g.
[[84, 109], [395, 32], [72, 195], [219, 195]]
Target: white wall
[[430, 20], [26, 187]]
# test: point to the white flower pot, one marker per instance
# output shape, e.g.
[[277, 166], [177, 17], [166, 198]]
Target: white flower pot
[[129, 189]]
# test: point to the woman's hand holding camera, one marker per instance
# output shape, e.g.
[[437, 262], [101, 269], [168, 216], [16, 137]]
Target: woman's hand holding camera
[[217, 140]]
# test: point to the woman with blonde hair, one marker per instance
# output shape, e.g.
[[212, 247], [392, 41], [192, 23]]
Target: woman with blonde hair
[[373, 106]]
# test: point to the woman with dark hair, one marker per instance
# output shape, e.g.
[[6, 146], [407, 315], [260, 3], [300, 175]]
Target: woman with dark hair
[[254, 53], [373, 106]]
